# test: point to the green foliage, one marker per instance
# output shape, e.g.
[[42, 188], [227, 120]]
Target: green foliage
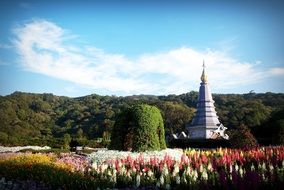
[[80, 133], [43, 119], [280, 133], [176, 116], [235, 110], [242, 138], [3, 138], [139, 128], [276, 122], [272, 130], [66, 139], [121, 128]]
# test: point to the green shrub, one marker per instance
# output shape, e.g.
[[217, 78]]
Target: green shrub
[[139, 128], [242, 138]]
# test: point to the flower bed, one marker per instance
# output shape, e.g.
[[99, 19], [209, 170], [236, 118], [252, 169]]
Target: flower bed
[[213, 169], [46, 168], [19, 148], [259, 168], [105, 155]]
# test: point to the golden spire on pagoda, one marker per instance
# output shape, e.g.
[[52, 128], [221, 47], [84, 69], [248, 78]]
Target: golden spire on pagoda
[[204, 77]]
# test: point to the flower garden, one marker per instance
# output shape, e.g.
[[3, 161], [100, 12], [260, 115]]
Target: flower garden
[[257, 168]]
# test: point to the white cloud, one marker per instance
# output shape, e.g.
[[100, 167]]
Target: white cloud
[[277, 71], [45, 48]]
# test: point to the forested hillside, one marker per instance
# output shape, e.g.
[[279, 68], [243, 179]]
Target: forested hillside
[[27, 118]]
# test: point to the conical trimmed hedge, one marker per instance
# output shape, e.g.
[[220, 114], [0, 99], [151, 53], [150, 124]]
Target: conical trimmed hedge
[[139, 128]]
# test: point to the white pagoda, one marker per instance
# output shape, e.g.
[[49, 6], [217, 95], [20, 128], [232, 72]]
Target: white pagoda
[[205, 124]]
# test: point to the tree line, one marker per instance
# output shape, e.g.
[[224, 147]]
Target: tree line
[[47, 119]]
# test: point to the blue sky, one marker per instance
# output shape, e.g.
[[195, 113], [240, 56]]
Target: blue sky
[[75, 48]]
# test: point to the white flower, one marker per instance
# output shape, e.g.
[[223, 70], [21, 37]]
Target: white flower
[[187, 171], [165, 171], [236, 167], [114, 171], [122, 170], [204, 175], [263, 166], [252, 168], [195, 175], [230, 177], [263, 177], [176, 169], [137, 180], [209, 167], [177, 179], [104, 155], [271, 167], [231, 168], [109, 173], [119, 164], [18, 148], [168, 186], [95, 165], [241, 172], [103, 167], [162, 180], [183, 179], [150, 173], [201, 168], [158, 184]]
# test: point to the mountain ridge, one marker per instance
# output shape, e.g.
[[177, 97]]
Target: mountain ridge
[[39, 118]]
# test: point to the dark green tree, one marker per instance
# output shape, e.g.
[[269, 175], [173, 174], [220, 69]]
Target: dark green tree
[[3, 138], [176, 116], [42, 119], [280, 134], [80, 133], [66, 141], [139, 128], [272, 131], [242, 138]]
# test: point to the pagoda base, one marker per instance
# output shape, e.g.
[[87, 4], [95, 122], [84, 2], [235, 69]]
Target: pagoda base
[[201, 132]]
